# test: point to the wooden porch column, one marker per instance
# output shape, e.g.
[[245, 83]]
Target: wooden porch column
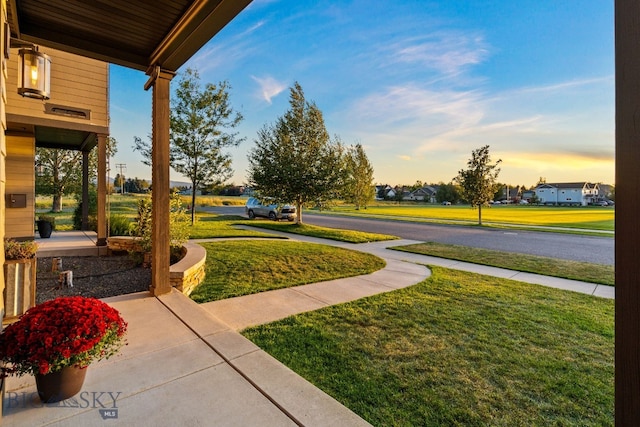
[[102, 190], [627, 312], [84, 225], [160, 80]]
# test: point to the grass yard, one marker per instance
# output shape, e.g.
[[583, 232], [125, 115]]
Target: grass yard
[[210, 225], [586, 272], [121, 204], [236, 268], [589, 217], [322, 232], [458, 349]]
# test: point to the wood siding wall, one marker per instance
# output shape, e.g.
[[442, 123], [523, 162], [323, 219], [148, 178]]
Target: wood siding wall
[[20, 179], [76, 82], [3, 151]]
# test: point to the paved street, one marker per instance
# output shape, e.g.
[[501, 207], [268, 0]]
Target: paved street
[[597, 250]]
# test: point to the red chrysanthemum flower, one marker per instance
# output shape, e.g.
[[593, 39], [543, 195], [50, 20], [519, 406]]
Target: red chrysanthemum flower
[[66, 331]]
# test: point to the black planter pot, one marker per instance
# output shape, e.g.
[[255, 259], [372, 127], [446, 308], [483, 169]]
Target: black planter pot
[[44, 229]]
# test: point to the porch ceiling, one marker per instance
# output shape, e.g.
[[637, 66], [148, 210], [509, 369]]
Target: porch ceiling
[[55, 134], [67, 139], [134, 34]]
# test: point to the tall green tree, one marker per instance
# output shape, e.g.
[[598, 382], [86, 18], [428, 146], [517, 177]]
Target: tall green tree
[[294, 159], [201, 122], [478, 181], [59, 172], [448, 193], [359, 188], [118, 181]]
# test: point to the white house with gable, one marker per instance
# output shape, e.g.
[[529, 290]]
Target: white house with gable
[[567, 193]]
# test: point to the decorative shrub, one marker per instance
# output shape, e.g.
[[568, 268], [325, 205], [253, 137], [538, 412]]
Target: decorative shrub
[[93, 211], [19, 250], [178, 223], [119, 225]]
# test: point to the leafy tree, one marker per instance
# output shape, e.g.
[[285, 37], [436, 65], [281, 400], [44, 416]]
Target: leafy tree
[[200, 118], [399, 193], [358, 178], [448, 193], [499, 193], [118, 181], [136, 185], [295, 160], [478, 181], [59, 172]]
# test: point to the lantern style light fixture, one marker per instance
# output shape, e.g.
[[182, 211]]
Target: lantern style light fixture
[[34, 73]]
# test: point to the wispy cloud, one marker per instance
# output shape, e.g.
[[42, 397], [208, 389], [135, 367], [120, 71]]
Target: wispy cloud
[[449, 53], [404, 157], [220, 55], [568, 85], [407, 107], [228, 53], [431, 123], [269, 87], [251, 29]]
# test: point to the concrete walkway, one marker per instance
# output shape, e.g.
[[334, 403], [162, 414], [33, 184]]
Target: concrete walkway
[[186, 364], [403, 269]]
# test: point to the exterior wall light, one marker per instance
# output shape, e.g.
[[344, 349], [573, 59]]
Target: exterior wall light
[[34, 73]]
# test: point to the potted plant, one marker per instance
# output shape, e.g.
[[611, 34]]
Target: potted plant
[[20, 277], [57, 340], [46, 224]]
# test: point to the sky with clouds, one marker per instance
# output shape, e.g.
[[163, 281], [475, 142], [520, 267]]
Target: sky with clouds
[[420, 84]]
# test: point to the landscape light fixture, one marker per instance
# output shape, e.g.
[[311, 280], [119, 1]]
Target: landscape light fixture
[[34, 71]]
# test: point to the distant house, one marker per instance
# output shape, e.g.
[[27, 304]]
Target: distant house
[[512, 195], [567, 193], [528, 195], [424, 194], [385, 192], [605, 191]]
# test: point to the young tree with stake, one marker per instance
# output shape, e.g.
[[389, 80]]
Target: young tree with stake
[[478, 181], [200, 118]]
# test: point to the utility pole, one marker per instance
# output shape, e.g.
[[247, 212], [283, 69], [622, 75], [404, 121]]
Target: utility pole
[[122, 167]]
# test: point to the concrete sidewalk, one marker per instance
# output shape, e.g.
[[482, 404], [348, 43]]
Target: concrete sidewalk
[[181, 367], [402, 269]]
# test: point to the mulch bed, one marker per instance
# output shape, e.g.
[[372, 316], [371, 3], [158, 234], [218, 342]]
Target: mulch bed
[[98, 277]]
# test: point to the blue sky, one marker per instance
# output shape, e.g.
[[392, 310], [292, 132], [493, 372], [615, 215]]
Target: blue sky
[[420, 84]]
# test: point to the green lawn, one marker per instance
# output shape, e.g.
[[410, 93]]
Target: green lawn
[[589, 217], [209, 225], [127, 205], [322, 232], [458, 349], [236, 268], [586, 272]]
